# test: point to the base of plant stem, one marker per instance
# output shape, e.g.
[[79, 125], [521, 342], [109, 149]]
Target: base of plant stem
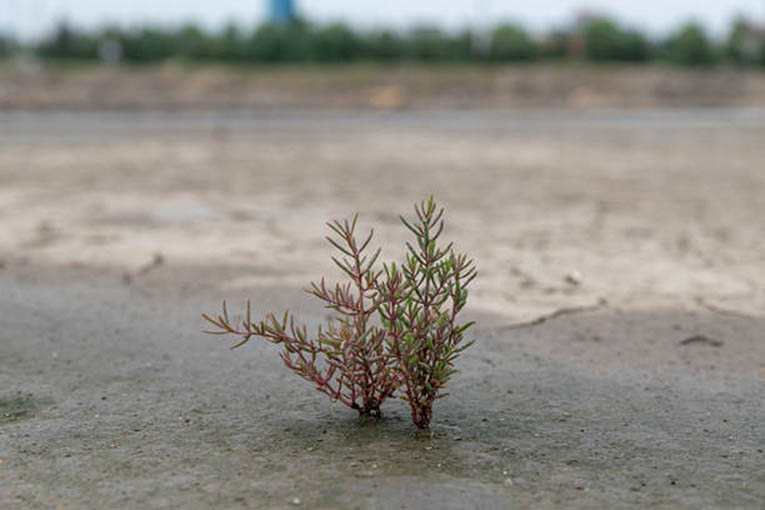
[[370, 417], [421, 417], [423, 433]]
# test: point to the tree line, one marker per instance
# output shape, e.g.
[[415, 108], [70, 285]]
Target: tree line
[[598, 39]]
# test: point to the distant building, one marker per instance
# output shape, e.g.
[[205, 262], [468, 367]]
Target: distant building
[[282, 12]]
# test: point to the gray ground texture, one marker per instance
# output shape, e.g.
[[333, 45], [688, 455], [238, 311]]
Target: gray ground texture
[[619, 361]]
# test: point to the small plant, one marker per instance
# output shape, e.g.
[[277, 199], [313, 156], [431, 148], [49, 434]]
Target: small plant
[[419, 304], [347, 359], [396, 328]]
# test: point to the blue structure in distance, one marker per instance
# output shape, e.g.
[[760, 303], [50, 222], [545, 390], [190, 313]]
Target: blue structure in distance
[[282, 12]]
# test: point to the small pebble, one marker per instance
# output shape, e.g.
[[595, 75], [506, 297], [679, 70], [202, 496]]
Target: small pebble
[[574, 278], [295, 501]]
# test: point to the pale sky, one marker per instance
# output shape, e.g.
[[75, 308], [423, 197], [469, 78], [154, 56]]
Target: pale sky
[[29, 18]]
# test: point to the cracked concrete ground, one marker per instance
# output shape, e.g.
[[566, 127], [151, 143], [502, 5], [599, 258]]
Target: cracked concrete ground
[[620, 358]]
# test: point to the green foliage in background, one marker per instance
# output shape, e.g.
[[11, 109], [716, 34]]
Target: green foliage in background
[[65, 42], [511, 42], [690, 46], [598, 39], [607, 41], [429, 44], [744, 46], [144, 45], [336, 43], [7, 46]]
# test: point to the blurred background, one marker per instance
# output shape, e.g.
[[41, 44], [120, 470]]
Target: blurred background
[[365, 54], [572, 142]]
